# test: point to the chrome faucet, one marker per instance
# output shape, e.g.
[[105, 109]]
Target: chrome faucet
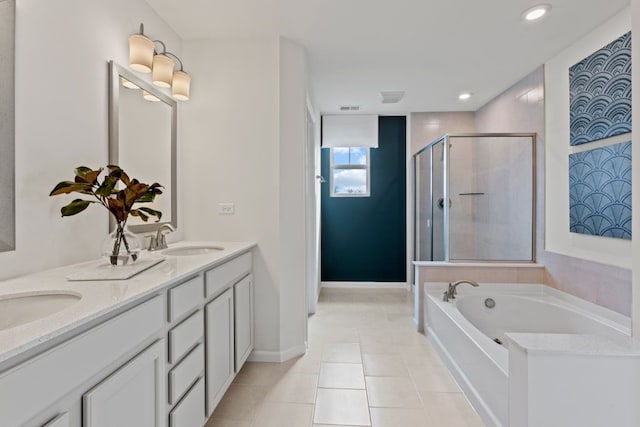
[[159, 241], [451, 292]]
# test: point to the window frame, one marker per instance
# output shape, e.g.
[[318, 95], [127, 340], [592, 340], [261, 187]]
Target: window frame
[[333, 167]]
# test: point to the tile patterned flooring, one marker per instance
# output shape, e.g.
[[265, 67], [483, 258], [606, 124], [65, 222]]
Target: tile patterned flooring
[[365, 366]]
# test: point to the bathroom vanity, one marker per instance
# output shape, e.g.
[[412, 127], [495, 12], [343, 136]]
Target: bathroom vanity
[[157, 350]]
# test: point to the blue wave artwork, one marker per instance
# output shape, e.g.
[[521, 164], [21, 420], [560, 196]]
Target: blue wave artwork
[[600, 191], [600, 93]]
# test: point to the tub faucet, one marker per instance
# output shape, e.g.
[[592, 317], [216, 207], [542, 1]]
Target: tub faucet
[[451, 292], [159, 241]]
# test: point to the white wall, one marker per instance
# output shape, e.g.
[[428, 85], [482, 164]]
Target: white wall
[[244, 143], [293, 139], [558, 238], [62, 50]]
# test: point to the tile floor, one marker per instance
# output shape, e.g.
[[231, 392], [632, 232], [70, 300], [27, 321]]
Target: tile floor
[[365, 366]]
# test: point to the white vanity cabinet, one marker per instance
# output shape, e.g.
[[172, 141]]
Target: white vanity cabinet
[[67, 371], [163, 361], [243, 318], [131, 396], [186, 353], [228, 324], [220, 345]]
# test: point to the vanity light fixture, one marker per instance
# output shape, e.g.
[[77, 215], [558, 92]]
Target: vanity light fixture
[[144, 57], [464, 96], [536, 12]]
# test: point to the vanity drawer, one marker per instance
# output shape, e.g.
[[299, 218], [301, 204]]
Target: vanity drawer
[[185, 336], [183, 375], [190, 411], [220, 278], [185, 296]]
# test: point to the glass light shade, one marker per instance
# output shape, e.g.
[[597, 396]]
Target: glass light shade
[[162, 70], [140, 53], [146, 95], [126, 83], [181, 85]]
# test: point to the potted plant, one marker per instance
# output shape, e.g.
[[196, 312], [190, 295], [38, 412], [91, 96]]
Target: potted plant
[[121, 247]]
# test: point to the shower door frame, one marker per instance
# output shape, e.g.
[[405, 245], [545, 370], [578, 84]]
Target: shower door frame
[[445, 139]]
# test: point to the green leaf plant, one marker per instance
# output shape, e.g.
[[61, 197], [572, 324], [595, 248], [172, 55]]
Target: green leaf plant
[[117, 193]]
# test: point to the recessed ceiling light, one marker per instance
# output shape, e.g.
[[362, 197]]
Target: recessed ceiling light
[[536, 12], [464, 96]]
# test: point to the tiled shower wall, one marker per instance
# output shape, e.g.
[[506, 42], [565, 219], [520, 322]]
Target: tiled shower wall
[[521, 109]]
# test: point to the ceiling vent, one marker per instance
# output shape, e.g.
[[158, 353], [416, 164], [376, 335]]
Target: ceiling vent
[[392, 97]]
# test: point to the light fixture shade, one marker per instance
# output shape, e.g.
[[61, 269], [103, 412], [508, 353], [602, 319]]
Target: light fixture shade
[[140, 53], [162, 70], [181, 85], [149, 97]]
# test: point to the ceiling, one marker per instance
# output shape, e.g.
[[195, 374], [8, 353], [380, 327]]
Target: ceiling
[[432, 50]]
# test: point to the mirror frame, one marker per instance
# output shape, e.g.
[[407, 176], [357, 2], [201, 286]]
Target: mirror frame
[[115, 72], [8, 150]]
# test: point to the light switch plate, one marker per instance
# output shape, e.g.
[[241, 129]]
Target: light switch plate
[[226, 208]]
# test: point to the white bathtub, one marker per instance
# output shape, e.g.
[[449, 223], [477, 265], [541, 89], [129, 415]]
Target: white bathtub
[[463, 332]]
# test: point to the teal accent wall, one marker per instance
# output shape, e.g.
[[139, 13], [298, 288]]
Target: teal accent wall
[[363, 239]]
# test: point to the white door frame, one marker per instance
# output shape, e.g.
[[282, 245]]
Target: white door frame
[[312, 208]]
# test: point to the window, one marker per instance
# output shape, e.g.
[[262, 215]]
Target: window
[[350, 172]]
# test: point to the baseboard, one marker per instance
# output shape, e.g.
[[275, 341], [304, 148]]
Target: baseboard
[[277, 356], [365, 285]]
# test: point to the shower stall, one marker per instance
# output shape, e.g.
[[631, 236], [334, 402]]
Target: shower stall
[[474, 198]]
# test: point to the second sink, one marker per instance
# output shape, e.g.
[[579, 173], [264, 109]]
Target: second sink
[[192, 250]]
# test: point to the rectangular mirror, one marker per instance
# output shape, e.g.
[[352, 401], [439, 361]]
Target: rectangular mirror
[[142, 140], [7, 123]]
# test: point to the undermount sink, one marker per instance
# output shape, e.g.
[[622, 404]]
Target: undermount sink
[[18, 309], [192, 250]]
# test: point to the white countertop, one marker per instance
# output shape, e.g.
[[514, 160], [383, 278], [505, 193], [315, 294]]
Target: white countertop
[[487, 264], [577, 344], [99, 298]]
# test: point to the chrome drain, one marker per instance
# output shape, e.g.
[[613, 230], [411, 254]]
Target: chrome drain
[[489, 303]]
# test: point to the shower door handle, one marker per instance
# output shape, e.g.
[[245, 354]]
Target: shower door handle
[[441, 202]]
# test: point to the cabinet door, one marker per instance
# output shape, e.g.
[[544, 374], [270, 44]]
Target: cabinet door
[[243, 303], [219, 346], [134, 395]]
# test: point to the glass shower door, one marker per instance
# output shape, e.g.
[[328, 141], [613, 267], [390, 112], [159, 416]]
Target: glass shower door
[[438, 247], [422, 168], [490, 187]]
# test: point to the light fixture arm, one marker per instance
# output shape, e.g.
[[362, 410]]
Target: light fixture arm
[[177, 59], [165, 52]]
